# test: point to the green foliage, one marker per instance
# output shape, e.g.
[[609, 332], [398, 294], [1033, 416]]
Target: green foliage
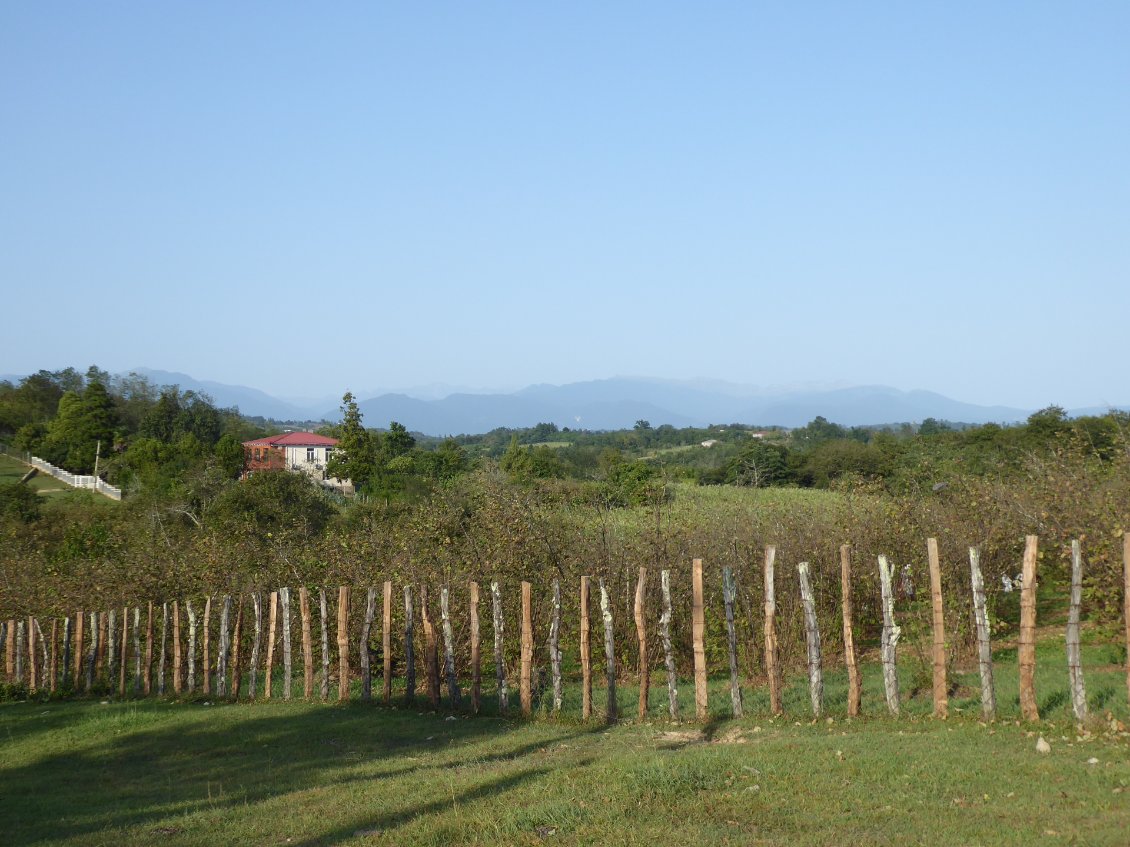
[[18, 502], [84, 421]]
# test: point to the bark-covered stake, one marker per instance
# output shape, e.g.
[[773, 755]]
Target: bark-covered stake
[[609, 653], [53, 668], [386, 641], [92, 658], [136, 650], [178, 677], [698, 633], [80, 623], [363, 644], [125, 649], [1026, 650], [253, 671], [984, 647], [772, 662], [206, 659], [31, 669], [499, 657], [237, 641], [555, 644], [161, 662], [272, 622], [110, 644], [890, 638], [639, 613], [453, 693], [307, 643], [668, 651], [288, 665], [850, 660], [68, 636], [409, 648], [147, 669], [476, 651], [525, 688], [20, 653], [941, 696], [343, 642], [1126, 603], [324, 686], [225, 646], [811, 641], [586, 652], [10, 648], [729, 595], [1074, 655], [431, 649]]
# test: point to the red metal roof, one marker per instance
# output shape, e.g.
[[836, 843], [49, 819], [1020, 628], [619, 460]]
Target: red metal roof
[[293, 439]]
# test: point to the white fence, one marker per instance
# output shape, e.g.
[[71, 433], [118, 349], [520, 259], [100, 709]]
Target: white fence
[[74, 480]]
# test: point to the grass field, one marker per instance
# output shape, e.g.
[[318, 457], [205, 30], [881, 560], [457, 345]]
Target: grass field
[[12, 470], [190, 773]]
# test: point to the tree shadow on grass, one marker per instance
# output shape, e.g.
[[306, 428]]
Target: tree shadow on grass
[[232, 756]]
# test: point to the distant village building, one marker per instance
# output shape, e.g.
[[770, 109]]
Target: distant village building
[[299, 452], [710, 442]]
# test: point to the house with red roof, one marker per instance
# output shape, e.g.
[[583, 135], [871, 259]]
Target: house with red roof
[[301, 452]]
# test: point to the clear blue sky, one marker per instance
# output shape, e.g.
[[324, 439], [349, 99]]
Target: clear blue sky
[[305, 198]]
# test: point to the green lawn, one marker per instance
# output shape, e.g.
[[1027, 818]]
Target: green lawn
[[12, 470], [144, 772]]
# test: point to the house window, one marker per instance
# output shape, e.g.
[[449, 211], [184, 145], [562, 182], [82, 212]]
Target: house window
[[310, 455]]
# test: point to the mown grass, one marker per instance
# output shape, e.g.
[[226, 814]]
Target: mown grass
[[189, 773], [12, 470]]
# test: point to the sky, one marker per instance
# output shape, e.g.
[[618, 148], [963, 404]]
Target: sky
[[305, 198]]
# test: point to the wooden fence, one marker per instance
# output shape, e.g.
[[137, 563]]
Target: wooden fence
[[90, 650]]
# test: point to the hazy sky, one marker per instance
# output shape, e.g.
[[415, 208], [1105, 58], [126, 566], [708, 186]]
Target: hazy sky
[[310, 197]]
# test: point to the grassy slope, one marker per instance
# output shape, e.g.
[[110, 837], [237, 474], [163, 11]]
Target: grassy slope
[[305, 774], [12, 470]]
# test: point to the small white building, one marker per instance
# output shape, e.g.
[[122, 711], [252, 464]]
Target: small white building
[[301, 452]]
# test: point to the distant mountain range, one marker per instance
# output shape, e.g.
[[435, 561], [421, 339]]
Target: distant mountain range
[[615, 403]]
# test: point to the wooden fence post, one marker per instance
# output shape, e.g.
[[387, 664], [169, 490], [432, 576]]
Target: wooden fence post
[[33, 682], [161, 661], [190, 648], [108, 621], [409, 647], [288, 663], [386, 641], [812, 641], [147, 669], [476, 647], [124, 653], [729, 595], [307, 643], [363, 644], [92, 658], [525, 690], [53, 667], [668, 651], [136, 650], [225, 646], [178, 679], [1074, 654], [68, 637], [586, 652], [772, 661], [499, 656], [611, 711], [343, 642], [10, 649], [890, 638], [103, 642], [237, 641], [1126, 604], [44, 659], [854, 699], [324, 684], [206, 658], [698, 632], [555, 645], [984, 646], [80, 622], [1026, 651], [641, 636], [272, 622], [941, 689], [431, 649], [253, 670], [20, 651], [453, 692]]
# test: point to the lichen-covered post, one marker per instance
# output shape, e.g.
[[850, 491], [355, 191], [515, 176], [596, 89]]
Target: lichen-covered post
[[125, 650], [272, 623], [224, 647], [307, 643], [32, 680], [609, 653], [237, 641], [476, 650], [324, 619], [698, 638], [110, 644], [854, 698], [431, 649], [136, 650], [95, 647], [729, 595], [525, 689], [555, 644], [68, 636], [409, 648], [499, 658], [386, 641], [668, 650], [639, 613], [343, 642], [284, 627], [1026, 649], [178, 676], [363, 644], [162, 662], [1074, 654], [1126, 604], [206, 659], [253, 670], [453, 693], [984, 646], [147, 668], [586, 653], [53, 667], [890, 638], [811, 641], [772, 663], [80, 624], [10, 648], [941, 689], [19, 671]]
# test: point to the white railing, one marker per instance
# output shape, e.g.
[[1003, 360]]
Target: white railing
[[74, 480]]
